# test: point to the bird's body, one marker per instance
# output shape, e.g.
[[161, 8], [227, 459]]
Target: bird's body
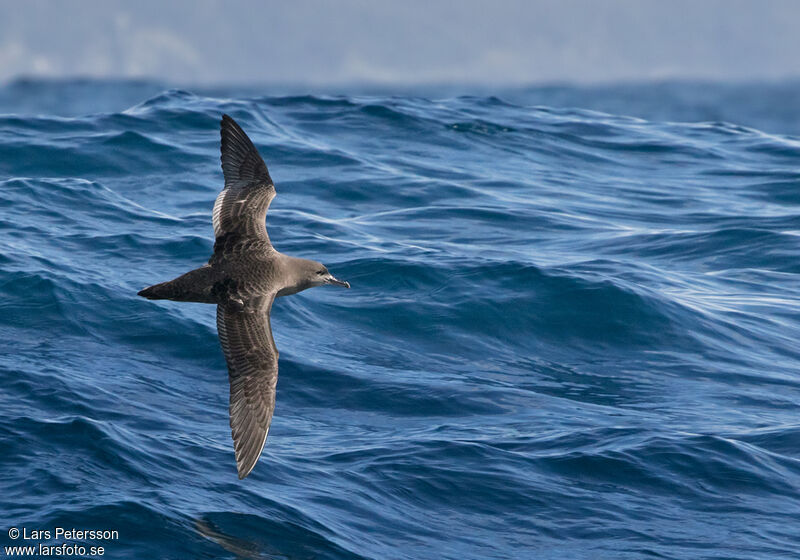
[[243, 277], [236, 275]]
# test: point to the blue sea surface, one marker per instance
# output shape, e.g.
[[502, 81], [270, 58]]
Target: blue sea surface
[[572, 331]]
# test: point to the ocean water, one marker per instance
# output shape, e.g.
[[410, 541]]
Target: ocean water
[[571, 334]]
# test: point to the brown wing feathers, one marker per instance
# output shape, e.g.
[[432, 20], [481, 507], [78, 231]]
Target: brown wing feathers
[[246, 339]]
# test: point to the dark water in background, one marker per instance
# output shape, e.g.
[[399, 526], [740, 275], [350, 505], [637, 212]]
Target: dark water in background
[[572, 333]]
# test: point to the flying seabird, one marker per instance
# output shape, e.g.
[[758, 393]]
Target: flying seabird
[[243, 277]]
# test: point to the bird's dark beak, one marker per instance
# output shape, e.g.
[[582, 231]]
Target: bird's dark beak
[[336, 282]]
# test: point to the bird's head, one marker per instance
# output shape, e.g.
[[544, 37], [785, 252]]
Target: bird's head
[[304, 274], [318, 275]]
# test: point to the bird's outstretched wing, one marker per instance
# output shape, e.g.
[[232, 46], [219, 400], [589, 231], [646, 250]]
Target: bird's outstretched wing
[[241, 207], [246, 339]]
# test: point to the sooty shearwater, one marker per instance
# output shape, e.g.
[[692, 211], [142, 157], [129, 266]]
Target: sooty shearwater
[[243, 277]]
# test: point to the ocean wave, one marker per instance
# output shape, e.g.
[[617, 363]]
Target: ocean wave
[[571, 330]]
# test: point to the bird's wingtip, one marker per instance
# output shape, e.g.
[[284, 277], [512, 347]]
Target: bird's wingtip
[[227, 122], [243, 471], [240, 158]]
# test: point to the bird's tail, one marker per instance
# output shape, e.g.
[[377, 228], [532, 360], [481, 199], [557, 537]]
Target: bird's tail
[[164, 290], [196, 285]]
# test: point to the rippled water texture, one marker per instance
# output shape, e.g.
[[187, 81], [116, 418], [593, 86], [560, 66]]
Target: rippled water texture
[[572, 333]]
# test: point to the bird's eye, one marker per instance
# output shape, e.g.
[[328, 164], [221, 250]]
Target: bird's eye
[[320, 272]]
